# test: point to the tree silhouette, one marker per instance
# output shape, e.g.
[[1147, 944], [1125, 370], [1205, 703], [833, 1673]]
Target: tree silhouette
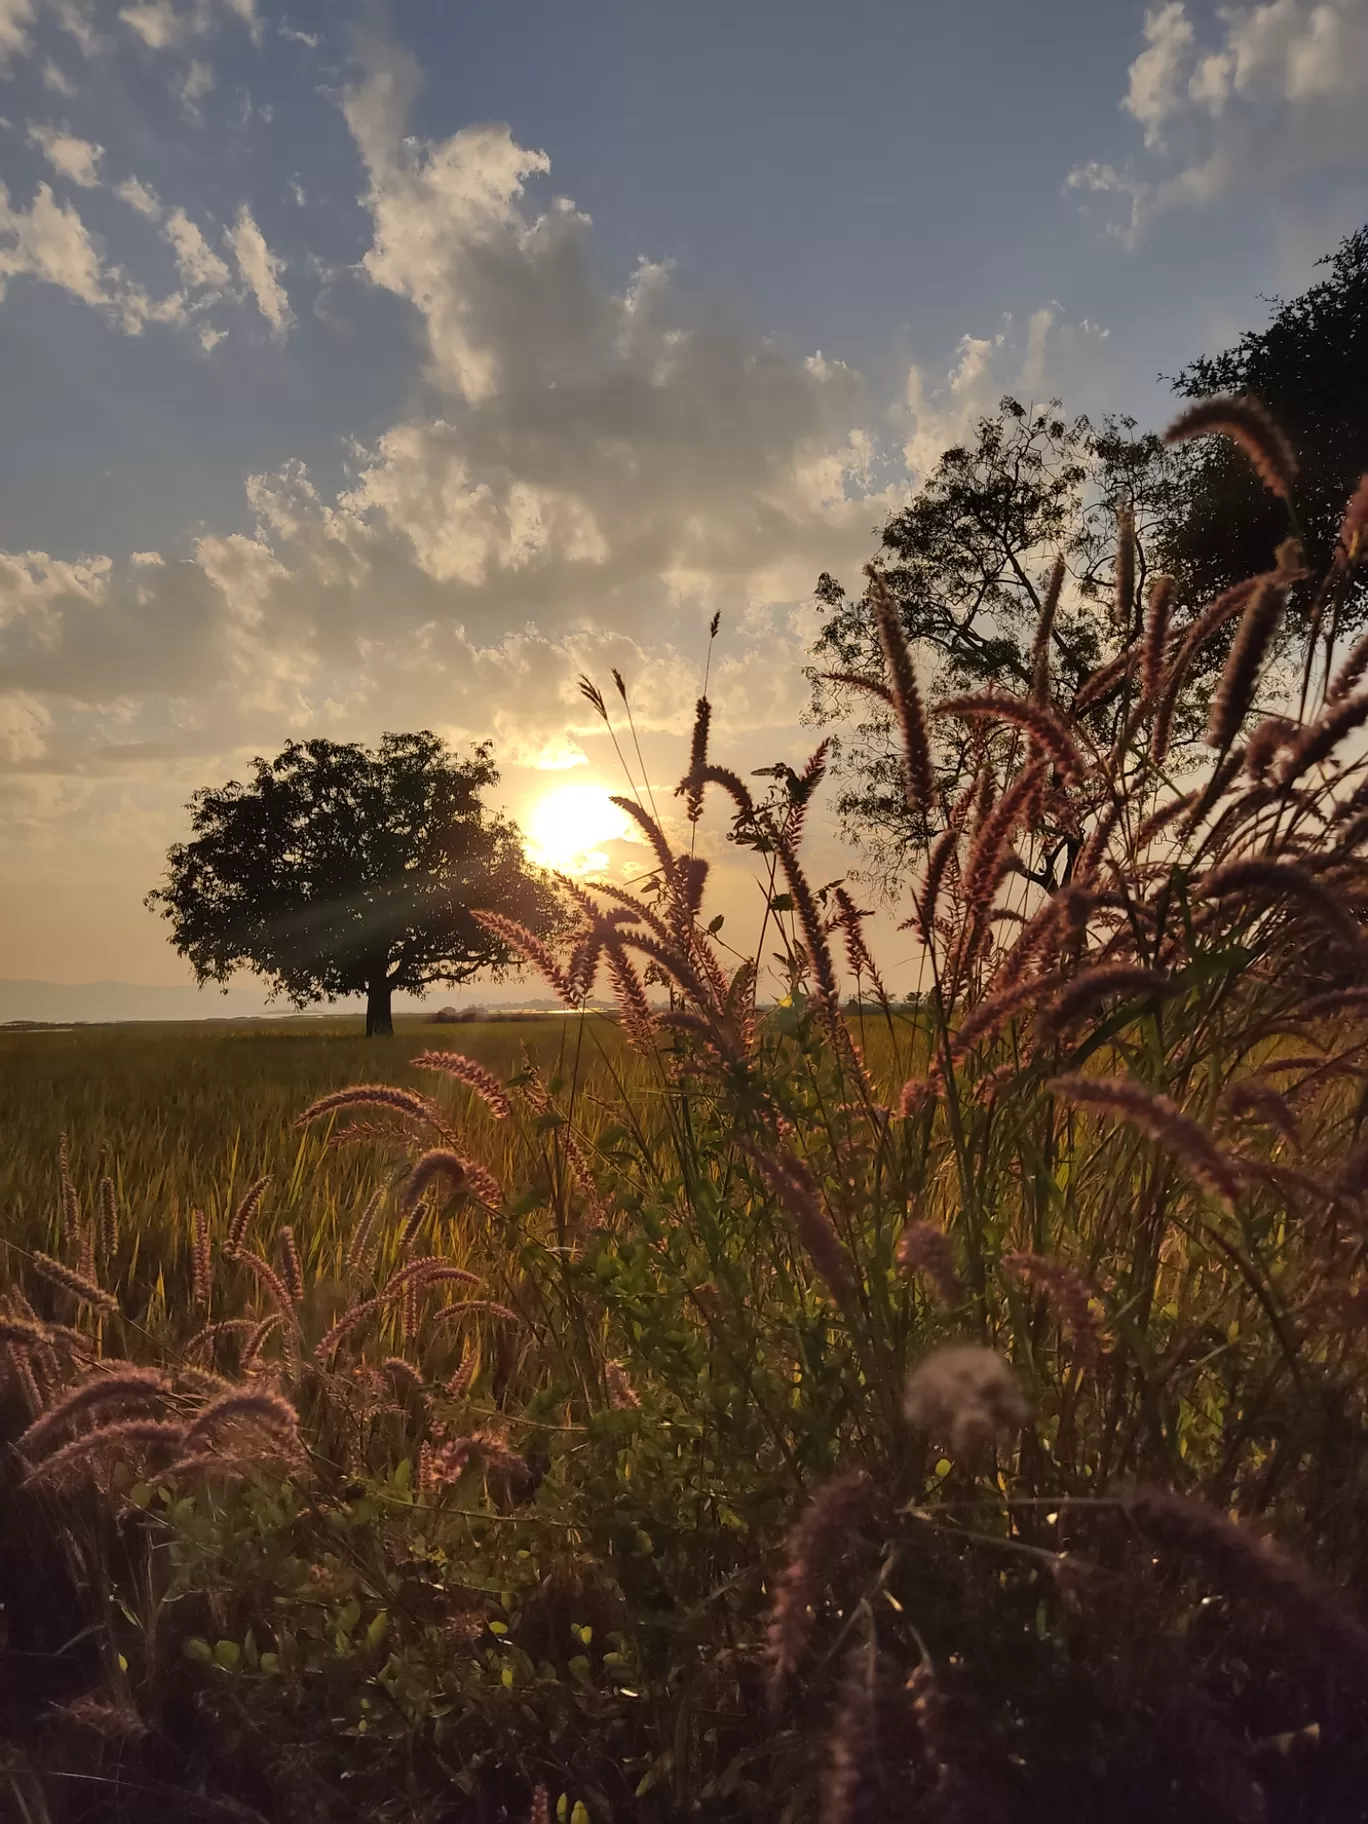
[[337, 869], [967, 561], [1310, 368]]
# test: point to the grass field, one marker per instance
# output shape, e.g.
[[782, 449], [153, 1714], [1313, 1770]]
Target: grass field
[[185, 1115]]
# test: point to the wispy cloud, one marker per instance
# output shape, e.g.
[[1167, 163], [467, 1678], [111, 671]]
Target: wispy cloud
[[260, 270]]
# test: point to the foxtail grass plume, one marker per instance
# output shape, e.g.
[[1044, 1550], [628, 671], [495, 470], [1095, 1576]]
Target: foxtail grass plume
[[1040, 651], [201, 1272], [1044, 728], [1160, 1120], [82, 1287], [1123, 581], [1249, 424], [109, 1219], [1069, 1297], [918, 775], [123, 1385], [1258, 628], [925, 1251], [474, 1075], [964, 1396], [819, 1543], [1157, 612], [241, 1220]]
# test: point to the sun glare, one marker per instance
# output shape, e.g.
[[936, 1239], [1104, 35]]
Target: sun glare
[[568, 828]]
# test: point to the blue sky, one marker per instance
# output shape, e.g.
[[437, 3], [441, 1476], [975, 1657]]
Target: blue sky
[[372, 367]]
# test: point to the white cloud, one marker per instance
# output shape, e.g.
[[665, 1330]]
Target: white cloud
[[1280, 95], [16, 16], [165, 25], [1156, 74], [49, 242], [1053, 358], [141, 197], [259, 268], [209, 338], [73, 158], [77, 19], [57, 80], [196, 261]]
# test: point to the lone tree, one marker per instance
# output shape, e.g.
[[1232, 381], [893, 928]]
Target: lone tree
[[338, 869]]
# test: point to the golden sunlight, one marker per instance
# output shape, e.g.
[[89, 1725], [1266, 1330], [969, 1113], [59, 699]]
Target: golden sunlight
[[567, 829]]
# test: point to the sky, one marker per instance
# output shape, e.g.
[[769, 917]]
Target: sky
[[371, 367]]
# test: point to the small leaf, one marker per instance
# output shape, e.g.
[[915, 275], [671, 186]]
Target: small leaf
[[227, 1653], [378, 1629], [199, 1650]]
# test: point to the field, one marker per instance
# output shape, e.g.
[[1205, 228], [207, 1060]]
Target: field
[[736, 1411], [186, 1116]]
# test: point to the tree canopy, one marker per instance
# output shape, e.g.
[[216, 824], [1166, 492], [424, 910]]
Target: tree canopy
[[337, 869], [967, 562], [1310, 368]]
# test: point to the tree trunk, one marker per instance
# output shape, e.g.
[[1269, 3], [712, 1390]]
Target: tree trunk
[[379, 1021]]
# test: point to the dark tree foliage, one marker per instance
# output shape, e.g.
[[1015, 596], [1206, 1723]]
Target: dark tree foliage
[[967, 561], [1310, 368], [338, 869]]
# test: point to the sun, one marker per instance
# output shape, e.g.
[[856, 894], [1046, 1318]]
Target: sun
[[567, 829]]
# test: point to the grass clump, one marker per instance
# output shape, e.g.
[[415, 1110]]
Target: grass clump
[[758, 1413]]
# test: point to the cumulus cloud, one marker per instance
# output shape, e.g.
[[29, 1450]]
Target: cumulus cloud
[[1281, 92], [259, 268], [72, 158], [602, 463], [140, 197], [1047, 357]]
